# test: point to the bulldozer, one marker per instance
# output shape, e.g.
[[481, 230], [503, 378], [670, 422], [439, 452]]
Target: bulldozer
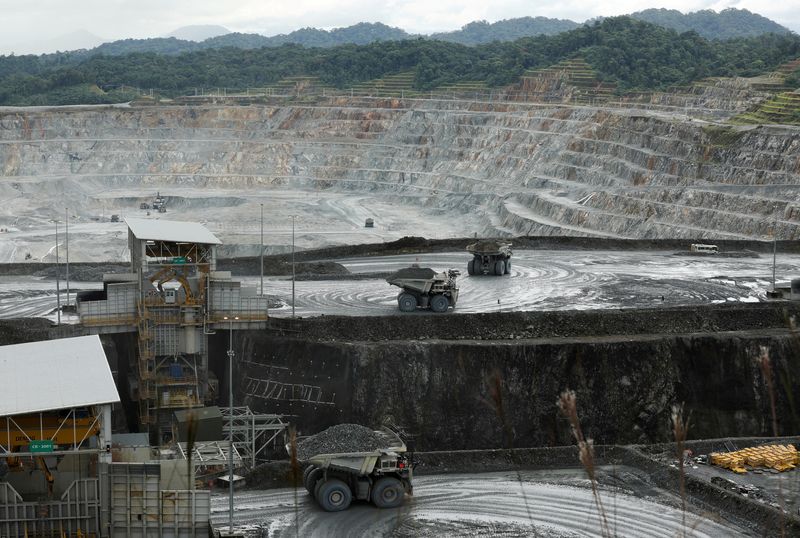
[[425, 288]]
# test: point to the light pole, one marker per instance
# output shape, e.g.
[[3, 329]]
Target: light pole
[[774, 248], [66, 245], [58, 281], [261, 251], [230, 423], [293, 274]]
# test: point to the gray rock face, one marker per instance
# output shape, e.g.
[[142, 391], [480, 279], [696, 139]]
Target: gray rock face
[[646, 171]]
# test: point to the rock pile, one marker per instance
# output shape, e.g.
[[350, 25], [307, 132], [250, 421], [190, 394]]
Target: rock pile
[[339, 439]]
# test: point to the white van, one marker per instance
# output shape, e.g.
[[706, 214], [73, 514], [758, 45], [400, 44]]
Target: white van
[[705, 249]]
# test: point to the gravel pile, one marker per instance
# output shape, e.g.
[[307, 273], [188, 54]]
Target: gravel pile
[[413, 272], [341, 438]]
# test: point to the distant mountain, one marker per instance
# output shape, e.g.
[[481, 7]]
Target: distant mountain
[[359, 34], [199, 32], [362, 33], [709, 24], [80, 39], [479, 32], [158, 45], [726, 24]]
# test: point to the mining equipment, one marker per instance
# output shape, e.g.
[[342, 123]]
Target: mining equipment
[[382, 476], [425, 288], [159, 201], [144, 205], [114, 218], [369, 223], [172, 299], [489, 257], [703, 249]]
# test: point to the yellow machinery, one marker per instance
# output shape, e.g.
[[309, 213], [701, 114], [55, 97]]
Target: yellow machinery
[[778, 457], [167, 274], [71, 430], [65, 431]]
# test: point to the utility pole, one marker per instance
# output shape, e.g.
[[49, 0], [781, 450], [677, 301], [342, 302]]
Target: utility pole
[[293, 273], [230, 424], [261, 264], [66, 236], [774, 249], [58, 282]]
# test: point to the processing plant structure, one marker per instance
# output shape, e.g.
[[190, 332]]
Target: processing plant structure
[[172, 299]]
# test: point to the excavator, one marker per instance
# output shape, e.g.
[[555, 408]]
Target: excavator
[[168, 274]]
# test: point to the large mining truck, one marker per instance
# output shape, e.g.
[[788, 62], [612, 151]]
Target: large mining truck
[[425, 288], [489, 257], [382, 476]]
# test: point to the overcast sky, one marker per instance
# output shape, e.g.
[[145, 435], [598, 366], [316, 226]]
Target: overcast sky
[[34, 23]]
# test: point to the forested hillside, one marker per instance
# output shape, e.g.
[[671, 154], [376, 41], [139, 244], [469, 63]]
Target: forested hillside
[[729, 23], [726, 24], [630, 53]]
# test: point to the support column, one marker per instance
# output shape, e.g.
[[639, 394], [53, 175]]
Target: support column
[[104, 440]]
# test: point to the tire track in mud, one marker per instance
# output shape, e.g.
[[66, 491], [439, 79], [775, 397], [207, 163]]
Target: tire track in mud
[[545, 280], [470, 505]]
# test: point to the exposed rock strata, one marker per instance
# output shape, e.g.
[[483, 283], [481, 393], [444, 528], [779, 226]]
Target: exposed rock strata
[[505, 168]]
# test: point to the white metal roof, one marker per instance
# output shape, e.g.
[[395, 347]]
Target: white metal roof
[[55, 374], [171, 230]]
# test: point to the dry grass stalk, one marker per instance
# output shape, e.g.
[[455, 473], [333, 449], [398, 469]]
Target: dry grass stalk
[[496, 402], [568, 405], [680, 428], [765, 364], [296, 475]]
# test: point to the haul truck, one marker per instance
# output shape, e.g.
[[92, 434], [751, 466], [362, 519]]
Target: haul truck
[[425, 288], [382, 476], [489, 257]]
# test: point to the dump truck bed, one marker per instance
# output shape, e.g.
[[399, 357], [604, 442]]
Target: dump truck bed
[[490, 246], [358, 462], [419, 279]]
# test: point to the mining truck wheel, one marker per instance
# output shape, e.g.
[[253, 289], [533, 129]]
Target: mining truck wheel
[[406, 302], [388, 493], [471, 267], [508, 267], [439, 303], [310, 478], [334, 495], [499, 267]]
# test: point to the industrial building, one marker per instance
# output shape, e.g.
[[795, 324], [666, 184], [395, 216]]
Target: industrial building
[[57, 477], [173, 298]]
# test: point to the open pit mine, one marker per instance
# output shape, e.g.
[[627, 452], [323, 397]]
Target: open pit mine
[[224, 268]]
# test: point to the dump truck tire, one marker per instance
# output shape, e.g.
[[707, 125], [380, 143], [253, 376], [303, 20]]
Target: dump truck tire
[[406, 302], [508, 267], [388, 493], [334, 495], [471, 267], [439, 303], [499, 267], [310, 480]]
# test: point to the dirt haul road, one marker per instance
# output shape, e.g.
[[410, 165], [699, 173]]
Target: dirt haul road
[[548, 280], [539, 280], [550, 504]]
